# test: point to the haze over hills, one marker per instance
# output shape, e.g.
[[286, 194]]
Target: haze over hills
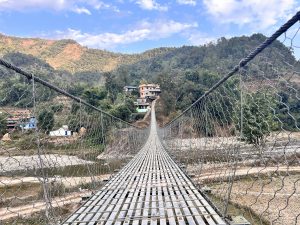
[[70, 56]]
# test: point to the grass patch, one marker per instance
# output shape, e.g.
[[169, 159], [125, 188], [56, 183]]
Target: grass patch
[[19, 190], [40, 218], [14, 195], [235, 209]]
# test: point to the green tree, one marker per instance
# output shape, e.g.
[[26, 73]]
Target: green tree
[[74, 123], [15, 92], [121, 111], [288, 111], [74, 108], [94, 95], [257, 117], [77, 89], [46, 120], [192, 76], [130, 104], [135, 93], [111, 86], [3, 124], [57, 107]]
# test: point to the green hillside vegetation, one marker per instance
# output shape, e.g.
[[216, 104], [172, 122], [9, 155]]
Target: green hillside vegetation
[[184, 73], [191, 66], [16, 90]]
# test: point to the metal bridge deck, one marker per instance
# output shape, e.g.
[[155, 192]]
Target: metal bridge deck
[[150, 189]]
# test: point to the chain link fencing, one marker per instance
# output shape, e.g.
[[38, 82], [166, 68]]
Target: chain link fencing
[[56, 149], [240, 142]]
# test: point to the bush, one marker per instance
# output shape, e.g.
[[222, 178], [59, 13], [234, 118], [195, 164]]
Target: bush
[[55, 188], [3, 124], [258, 119], [122, 112], [57, 107], [46, 120]]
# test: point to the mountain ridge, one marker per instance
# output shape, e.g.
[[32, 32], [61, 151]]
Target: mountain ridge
[[67, 54]]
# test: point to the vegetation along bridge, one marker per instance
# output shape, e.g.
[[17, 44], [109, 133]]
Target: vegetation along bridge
[[230, 157]]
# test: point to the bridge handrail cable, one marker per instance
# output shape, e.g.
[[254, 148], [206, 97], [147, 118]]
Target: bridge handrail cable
[[30, 76], [243, 62]]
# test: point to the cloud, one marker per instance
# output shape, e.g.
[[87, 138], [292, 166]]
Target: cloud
[[261, 14], [101, 5], [27, 4], [82, 10], [151, 5], [198, 38], [77, 6], [144, 31], [187, 2]]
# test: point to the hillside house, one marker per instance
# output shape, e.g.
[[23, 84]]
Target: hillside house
[[20, 118], [143, 105], [129, 89], [149, 91], [29, 124], [61, 132]]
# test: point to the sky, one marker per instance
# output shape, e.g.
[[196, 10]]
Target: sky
[[133, 26]]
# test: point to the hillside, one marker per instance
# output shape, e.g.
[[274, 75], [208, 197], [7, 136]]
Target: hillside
[[70, 56], [185, 73], [219, 58]]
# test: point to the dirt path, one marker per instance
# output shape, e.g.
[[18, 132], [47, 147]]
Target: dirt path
[[25, 210], [67, 181], [13, 163], [221, 172]]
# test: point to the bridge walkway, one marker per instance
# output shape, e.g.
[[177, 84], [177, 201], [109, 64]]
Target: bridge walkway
[[150, 189]]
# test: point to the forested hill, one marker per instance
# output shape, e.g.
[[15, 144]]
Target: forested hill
[[185, 73], [70, 56], [217, 57]]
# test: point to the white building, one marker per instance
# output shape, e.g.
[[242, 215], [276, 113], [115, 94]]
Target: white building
[[61, 132]]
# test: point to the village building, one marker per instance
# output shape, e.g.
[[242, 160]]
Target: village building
[[19, 118], [142, 105], [149, 91], [129, 89], [29, 124], [61, 132]]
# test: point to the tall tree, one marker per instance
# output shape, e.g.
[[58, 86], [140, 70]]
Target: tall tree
[[46, 120], [257, 117]]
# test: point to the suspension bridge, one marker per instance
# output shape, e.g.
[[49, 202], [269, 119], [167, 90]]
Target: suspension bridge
[[151, 188], [233, 152]]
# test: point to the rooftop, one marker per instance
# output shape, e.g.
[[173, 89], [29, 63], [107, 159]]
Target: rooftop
[[149, 85], [130, 87]]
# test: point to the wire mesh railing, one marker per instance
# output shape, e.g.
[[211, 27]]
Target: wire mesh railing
[[56, 149], [240, 142]]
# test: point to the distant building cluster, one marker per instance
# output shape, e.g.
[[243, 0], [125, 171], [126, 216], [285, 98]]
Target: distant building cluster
[[147, 93], [20, 118]]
